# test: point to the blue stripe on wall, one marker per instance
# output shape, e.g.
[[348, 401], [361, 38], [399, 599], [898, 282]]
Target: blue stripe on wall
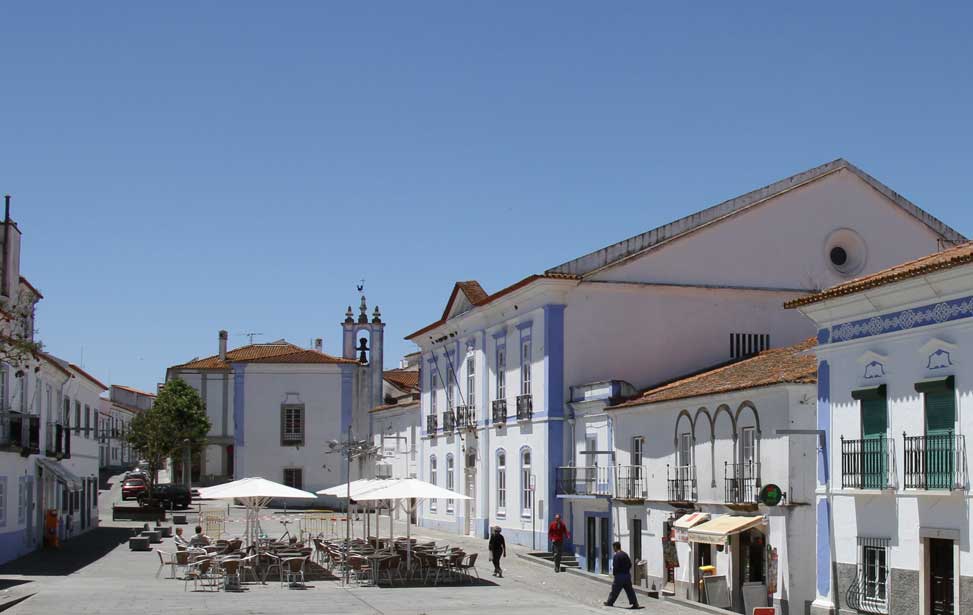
[[554, 399]]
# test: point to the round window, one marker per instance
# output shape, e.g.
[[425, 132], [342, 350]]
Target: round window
[[845, 252]]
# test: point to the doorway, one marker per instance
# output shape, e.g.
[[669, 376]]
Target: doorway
[[590, 542], [606, 543], [940, 576]]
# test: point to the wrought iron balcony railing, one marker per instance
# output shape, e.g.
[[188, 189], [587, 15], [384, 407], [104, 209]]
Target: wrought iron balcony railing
[[499, 411], [449, 422], [466, 417], [584, 480], [935, 461], [682, 483], [432, 424], [525, 407], [868, 463], [630, 483], [742, 482]]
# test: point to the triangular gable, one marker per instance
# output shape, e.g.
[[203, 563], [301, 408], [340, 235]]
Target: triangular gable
[[632, 247], [464, 297]]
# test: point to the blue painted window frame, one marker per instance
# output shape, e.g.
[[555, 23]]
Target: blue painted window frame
[[501, 511], [526, 496]]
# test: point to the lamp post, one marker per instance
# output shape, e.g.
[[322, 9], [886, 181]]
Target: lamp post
[[350, 449]]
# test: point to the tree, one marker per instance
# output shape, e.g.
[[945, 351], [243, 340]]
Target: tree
[[177, 415]]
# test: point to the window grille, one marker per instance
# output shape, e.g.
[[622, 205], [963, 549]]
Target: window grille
[[746, 344]]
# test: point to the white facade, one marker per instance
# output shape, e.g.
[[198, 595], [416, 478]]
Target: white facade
[[117, 411], [896, 495], [689, 450], [656, 306]]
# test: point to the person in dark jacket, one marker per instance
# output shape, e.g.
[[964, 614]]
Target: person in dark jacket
[[498, 549], [622, 571]]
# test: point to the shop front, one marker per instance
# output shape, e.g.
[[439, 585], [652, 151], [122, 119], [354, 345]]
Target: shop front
[[730, 557]]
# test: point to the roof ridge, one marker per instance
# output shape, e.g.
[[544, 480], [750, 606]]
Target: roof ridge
[[633, 246]]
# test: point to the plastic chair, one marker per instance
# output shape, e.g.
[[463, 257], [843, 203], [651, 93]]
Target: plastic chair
[[166, 559], [469, 565], [231, 574], [293, 571]]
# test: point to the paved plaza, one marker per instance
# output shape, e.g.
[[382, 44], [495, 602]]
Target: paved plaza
[[97, 573]]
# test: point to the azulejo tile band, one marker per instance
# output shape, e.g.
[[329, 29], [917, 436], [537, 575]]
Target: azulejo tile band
[[912, 318]]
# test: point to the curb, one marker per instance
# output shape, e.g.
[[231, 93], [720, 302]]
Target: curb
[[605, 580]]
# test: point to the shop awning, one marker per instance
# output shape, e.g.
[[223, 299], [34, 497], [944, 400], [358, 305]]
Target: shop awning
[[63, 474], [717, 531], [687, 521]]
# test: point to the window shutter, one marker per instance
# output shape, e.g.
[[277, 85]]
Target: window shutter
[[874, 418], [940, 412]]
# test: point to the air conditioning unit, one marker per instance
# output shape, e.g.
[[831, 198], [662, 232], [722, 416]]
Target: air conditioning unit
[[383, 470]]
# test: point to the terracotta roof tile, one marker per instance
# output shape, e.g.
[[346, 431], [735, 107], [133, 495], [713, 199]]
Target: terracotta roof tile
[[938, 261], [244, 353], [404, 379], [776, 366], [303, 356], [131, 390], [24, 281]]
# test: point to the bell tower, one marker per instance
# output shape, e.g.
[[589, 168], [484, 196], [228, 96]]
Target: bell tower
[[363, 341]]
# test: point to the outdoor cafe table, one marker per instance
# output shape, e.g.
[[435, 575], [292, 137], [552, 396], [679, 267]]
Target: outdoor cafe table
[[374, 560]]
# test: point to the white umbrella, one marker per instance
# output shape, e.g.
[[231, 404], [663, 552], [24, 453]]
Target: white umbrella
[[356, 487], [255, 493], [406, 490]]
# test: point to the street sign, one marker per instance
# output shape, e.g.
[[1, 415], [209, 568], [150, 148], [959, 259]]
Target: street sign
[[770, 495]]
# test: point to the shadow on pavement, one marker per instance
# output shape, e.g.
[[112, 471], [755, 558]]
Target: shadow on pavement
[[73, 555], [8, 583]]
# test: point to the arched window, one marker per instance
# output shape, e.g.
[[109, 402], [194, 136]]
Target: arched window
[[432, 479], [449, 481], [527, 491], [501, 483]]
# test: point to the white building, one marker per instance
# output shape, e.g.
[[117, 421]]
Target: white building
[[395, 424], [676, 299], [895, 403], [691, 458], [274, 407], [117, 411]]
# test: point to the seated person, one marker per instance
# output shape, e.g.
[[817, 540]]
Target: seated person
[[199, 539], [180, 539]]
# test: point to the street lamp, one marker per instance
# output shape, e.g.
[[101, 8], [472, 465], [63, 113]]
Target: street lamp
[[350, 449]]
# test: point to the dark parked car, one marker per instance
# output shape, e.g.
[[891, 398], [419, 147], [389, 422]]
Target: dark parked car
[[132, 488], [168, 496]]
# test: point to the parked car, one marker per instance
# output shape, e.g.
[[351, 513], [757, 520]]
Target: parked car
[[167, 496], [132, 488]]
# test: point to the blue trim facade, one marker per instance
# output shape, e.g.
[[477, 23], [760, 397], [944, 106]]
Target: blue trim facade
[[554, 400], [239, 424], [902, 320], [823, 549]]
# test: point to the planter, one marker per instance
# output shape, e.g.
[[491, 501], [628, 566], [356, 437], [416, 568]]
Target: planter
[[137, 513]]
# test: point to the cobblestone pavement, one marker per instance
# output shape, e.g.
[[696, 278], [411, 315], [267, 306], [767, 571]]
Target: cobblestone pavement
[[97, 573]]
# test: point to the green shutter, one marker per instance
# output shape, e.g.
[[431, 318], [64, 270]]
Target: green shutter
[[940, 412], [874, 456], [940, 422]]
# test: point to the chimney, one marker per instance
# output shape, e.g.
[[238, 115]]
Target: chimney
[[223, 336], [319, 344]]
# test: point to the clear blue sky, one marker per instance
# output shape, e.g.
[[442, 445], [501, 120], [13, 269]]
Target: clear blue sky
[[178, 168]]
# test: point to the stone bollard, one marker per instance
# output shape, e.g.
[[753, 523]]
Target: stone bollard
[[139, 543], [179, 520]]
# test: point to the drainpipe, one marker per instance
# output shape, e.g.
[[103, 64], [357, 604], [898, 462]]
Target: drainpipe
[[6, 247]]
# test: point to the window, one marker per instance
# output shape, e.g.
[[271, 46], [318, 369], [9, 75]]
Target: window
[[501, 483], [77, 417], [873, 573], [294, 477], [527, 497], [501, 372], [746, 344], [432, 479], [449, 390], [23, 393], [638, 443], [87, 420], [51, 411], [67, 412], [3, 501], [471, 381], [22, 500], [433, 385], [685, 452], [449, 481], [292, 425], [525, 368], [3, 387], [748, 445]]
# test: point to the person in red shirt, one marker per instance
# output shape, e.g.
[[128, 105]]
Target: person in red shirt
[[556, 533]]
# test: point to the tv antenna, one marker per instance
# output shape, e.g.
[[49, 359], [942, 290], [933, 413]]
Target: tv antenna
[[250, 335]]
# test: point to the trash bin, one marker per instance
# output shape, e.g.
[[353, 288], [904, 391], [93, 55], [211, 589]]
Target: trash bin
[[50, 529], [640, 572]]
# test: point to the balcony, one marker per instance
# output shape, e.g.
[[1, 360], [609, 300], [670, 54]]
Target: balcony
[[682, 483], [20, 432], [525, 407], [466, 417], [584, 480], [432, 424], [449, 422], [630, 483], [935, 461], [741, 482], [54, 442], [868, 464], [499, 411]]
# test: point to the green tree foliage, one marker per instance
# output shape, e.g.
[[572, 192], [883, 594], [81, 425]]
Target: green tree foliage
[[177, 415]]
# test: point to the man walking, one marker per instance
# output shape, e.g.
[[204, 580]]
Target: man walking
[[498, 549], [622, 571], [556, 533]]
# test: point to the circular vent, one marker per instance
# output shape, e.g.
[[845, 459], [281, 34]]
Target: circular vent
[[845, 252]]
